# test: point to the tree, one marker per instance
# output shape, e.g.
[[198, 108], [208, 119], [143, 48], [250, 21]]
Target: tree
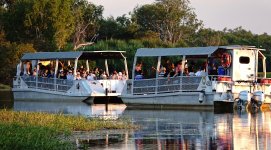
[[10, 54], [174, 20], [87, 16], [46, 23], [209, 37], [119, 28]]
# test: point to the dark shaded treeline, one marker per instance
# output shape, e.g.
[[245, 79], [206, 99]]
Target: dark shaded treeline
[[63, 25]]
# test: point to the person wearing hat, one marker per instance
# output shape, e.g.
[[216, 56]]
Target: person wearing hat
[[70, 75]]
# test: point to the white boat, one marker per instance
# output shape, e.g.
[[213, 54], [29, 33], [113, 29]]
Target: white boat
[[238, 72], [35, 87]]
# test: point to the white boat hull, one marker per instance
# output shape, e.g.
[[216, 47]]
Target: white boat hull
[[40, 95], [189, 100]]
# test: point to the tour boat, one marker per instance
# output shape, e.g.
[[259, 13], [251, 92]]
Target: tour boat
[[231, 74], [32, 86]]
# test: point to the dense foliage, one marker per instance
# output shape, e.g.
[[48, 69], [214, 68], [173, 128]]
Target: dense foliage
[[64, 25]]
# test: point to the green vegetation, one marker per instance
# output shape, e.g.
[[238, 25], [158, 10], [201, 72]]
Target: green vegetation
[[14, 136], [27, 130], [57, 25], [4, 87]]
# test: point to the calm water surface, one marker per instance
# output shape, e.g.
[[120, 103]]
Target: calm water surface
[[163, 129]]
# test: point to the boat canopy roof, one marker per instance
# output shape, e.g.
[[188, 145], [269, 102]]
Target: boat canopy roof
[[187, 51], [74, 55]]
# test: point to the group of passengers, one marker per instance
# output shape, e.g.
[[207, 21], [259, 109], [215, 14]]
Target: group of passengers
[[95, 74], [48, 71], [170, 69]]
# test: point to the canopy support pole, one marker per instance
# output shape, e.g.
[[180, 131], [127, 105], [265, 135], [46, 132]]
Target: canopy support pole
[[87, 64], [75, 68], [106, 67], [183, 65], [157, 72], [133, 75], [126, 68], [55, 75], [37, 73]]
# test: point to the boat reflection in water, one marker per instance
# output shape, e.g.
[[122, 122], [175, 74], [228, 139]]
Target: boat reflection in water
[[175, 129], [167, 129], [252, 131], [70, 108]]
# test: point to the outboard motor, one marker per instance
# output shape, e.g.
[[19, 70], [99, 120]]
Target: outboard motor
[[243, 99], [257, 99]]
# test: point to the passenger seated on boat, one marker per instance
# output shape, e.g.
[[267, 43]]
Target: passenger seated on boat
[[138, 72], [27, 68], [124, 76], [120, 76], [221, 70], [178, 69], [103, 75], [50, 74], [114, 75], [70, 75], [162, 72], [78, 76], [34, 72], [84, 74], [201, 72], [62, 75], [213, 70], [185, 72], [168, 67], [96, 72], [91, 76], [45, 73], [191, 71]]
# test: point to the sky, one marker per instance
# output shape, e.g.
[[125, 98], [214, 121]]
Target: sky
[[253, 15]]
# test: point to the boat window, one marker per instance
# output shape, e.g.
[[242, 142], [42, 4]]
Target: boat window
[[244, 60]]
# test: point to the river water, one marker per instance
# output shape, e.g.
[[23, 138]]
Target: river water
[[163, 129]]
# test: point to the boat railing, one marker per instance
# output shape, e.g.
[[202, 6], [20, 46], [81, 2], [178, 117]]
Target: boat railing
[[166, 85], [220, 78], [52, 84]]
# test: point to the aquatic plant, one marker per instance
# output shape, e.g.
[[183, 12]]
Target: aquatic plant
[[37, 130]]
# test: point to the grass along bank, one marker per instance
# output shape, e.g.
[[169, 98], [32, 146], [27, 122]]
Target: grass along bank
[[27, 130], [4, 87]]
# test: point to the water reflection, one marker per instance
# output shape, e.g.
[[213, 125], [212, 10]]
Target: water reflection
[[6, 100], [252, 131], [173, 129], [164, 129], [184, 129], [71, 108]]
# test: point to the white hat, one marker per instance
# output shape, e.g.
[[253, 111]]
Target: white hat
[[120, 74]]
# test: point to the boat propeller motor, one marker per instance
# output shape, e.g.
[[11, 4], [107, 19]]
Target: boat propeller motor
[[243, 99], [257, 99]]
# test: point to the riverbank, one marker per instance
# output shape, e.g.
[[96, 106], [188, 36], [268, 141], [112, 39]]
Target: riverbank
[[28, 130]]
